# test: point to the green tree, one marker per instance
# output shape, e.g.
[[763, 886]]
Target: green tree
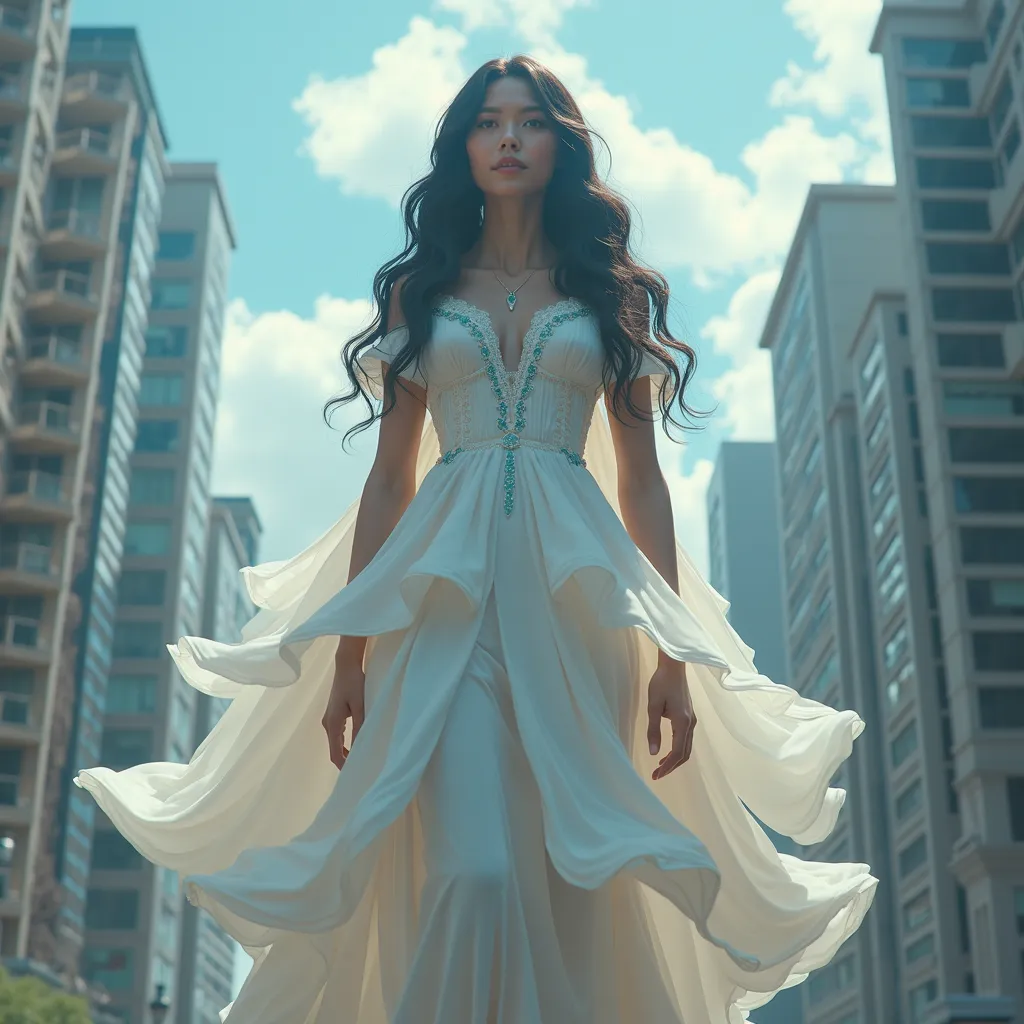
[[31, 1001]]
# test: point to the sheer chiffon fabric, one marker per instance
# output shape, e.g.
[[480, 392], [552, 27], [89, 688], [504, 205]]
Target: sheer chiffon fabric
[[494, 851]]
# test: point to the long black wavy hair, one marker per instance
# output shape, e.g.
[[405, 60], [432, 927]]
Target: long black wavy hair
[[587, 223]]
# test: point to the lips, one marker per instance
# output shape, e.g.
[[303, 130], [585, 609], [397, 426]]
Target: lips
[[509, 163]]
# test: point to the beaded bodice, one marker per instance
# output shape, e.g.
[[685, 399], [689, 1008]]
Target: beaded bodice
[[547, 402]]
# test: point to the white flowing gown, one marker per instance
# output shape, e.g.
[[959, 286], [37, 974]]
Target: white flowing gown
[[493, 851]]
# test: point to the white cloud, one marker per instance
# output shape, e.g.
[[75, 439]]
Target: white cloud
[[271, 440], [535, 21]]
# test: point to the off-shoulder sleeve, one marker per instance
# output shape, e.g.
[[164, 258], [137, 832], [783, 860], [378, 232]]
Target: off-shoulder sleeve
[[385, 350], [654, 368]]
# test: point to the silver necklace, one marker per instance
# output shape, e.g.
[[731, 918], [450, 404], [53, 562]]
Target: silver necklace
[[510, 298]]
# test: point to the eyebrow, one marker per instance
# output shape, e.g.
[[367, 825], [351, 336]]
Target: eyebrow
[[497, 110]]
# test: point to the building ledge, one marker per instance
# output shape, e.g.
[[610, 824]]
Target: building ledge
[[975, 859], [970, 1009], [1013, 346]]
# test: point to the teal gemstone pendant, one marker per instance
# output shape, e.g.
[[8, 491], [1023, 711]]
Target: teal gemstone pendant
[[511, 300]]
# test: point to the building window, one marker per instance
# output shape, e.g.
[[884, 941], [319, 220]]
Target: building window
[[921, 997], [169, 341], [1018, 903], [129, 694], [943, 53], [994, 22], [988, 494], [904, 744], [1001, 707], [148, 537], [973, 305], [1011, 143], [151, 486], [125, 748], [111, 968], [917, 912], [983, 398], [142, 586], [950, 132], [112, 909], [112, 852], [954, 215], [998, 651], [160, 389], [909, 802], [913, 856], [138, 639], [176, 245], [930, 93], [997, 545], [921, 948], [158, 436], [10, 776], [967, 258], [995, 598], [978, 444], [1015, 796], [171, 293], [832, 979], [982, 350], [951, 173]]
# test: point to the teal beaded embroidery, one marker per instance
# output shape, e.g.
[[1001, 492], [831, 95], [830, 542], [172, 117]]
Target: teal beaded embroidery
[[522, 387]]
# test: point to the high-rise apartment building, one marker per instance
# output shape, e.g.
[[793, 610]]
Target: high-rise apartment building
[[70, 135], [846, 249], [114, 174], [955, 88], [135, 910], [208, 953]]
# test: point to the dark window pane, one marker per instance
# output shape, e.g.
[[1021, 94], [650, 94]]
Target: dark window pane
[[950, 132], [904, 744], [1001, 707], [999, 545], [112, 852], [1015, 796], [158, 436], [1002, 103], [166, 342], [142, 586], [124, 748], [943, 53], [989, 494], [970, 350], [947, 172], [138, 639], [988, 398], [937, 92], [973, 304], [954, 215], [998, 651], [151, 486], [967, 258], [995, 597], [112, 909], [913, 856], [975, 444], [176, 245]]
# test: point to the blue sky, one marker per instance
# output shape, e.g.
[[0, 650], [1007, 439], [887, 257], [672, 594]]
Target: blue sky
[[718, 115]]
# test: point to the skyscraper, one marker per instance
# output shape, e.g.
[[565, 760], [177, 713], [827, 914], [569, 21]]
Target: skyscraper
[[846, 248], [134, 909], [207, 952], [743, 543]]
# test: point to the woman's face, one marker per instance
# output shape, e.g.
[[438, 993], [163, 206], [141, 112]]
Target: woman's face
[[511, 125]]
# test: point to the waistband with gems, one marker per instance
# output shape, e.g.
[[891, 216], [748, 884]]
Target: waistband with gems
[[510, 441]]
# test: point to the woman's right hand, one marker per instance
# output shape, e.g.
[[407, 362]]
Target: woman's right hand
[[346, 702]]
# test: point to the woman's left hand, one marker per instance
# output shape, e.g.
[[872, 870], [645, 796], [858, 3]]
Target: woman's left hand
[[668, 696]]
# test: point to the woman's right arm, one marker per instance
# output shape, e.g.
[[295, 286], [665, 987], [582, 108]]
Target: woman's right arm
[[391, 482]]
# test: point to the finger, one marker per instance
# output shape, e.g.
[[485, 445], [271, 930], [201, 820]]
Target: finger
[[689, 738], [674, 758], [654, 727]]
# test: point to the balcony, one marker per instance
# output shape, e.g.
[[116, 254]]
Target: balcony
[[54, 359], [94, 96], [73, 234], [63, 296], [17, 33], [28, 568], [13, 99], [82, 151], [37, 496], [17, 725], [23, 642], [47, 427]]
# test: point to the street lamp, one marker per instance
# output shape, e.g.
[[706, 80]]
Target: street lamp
[[160, 1005]]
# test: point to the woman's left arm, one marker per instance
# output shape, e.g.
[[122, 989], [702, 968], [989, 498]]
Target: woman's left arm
[[647, 514]]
